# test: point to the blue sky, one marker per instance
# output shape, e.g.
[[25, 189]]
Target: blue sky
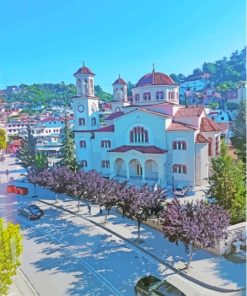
[[46, 41]]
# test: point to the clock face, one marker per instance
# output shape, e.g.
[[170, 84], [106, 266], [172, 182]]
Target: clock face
[[80, 108]]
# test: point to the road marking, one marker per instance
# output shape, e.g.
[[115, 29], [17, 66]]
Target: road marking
[[104, 281]]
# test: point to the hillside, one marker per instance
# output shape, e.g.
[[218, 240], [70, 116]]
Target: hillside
[[45, 93], [227, 73]]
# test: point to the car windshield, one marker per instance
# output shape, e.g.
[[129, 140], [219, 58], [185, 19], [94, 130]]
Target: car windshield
[[168, 289], [34, 207], [178, 189]]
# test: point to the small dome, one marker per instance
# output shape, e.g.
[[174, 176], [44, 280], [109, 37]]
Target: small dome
[[119, 81], [84, 70], [155, 78]]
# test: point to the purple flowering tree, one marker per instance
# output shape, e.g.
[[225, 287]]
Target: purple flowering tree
[[143, 206], [196, 225]]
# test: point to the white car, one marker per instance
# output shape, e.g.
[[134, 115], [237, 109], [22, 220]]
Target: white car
[[180, 190]]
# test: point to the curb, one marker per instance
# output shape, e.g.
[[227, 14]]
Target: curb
[[182, 274], [28, 282]]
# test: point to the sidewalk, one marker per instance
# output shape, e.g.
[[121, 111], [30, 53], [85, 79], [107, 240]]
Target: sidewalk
[[21, 286], [212, 270]]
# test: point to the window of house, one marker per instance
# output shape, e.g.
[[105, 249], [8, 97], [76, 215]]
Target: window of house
[[93, 121], [83, 144], [147, 96], [105, 144], [91, 85], [83, 163], [105, 163], [81, 121], [137, 97], [159, 95], [138, 135], [179, 169], [179, 145], [222, 118]]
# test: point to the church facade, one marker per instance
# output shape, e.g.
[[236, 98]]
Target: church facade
[[152, 140]]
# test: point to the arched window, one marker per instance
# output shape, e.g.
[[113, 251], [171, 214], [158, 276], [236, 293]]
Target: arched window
[[184, 169], [81, 121], [91, 85], [83, 163], [137, 97], [147, 96], [179, 145], [159, 95], [105, 144], [210, 147], [179, 169], [105, 163], [139, 135], [83, 144], [93, 121]]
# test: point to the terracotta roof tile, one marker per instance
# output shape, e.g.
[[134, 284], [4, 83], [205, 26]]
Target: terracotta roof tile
[[142, 149], [208, 125], [201, 139], [84, 70], [223, 126], [119, 81], [155, 78], [176, 126], [189, 112]]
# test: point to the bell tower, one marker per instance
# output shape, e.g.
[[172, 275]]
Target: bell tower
[[120, 95], [85, 103]]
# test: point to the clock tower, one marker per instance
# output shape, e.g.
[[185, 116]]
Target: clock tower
[[85, 104]]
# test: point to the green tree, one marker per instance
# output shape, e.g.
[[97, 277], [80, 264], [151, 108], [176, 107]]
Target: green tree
[[68, 149], [10, 251], [227, 184], [239, 138], [3, 142], [27, 152], [41, 161]]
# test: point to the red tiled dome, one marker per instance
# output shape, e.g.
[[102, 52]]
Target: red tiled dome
[[155, 78], [84, 70], [119, 81]]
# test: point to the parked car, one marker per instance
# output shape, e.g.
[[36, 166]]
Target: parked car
[[31, 212], [180, 190], [152, 286]]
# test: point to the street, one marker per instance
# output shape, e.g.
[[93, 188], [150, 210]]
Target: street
[[67, 255]]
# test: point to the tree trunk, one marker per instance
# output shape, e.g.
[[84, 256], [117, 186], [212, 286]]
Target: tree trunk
[[79, 204], [56, 197], [190, 258], [139, 229]]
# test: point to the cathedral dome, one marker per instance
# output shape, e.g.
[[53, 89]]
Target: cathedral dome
[[155, 78]]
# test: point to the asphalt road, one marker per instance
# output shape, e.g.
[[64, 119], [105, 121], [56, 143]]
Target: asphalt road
[[64, 255]]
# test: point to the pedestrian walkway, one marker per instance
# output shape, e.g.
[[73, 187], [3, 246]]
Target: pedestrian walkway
[[21, 286], [212, 270]]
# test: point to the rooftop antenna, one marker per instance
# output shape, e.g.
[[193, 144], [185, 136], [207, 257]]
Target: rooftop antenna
[[83, 63], [118, 76]]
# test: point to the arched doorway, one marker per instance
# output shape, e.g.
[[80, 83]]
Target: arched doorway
[[120, 168], [135, 169], [151, 170]]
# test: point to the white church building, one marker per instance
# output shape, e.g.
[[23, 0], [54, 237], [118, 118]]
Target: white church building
[[152, 140]]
